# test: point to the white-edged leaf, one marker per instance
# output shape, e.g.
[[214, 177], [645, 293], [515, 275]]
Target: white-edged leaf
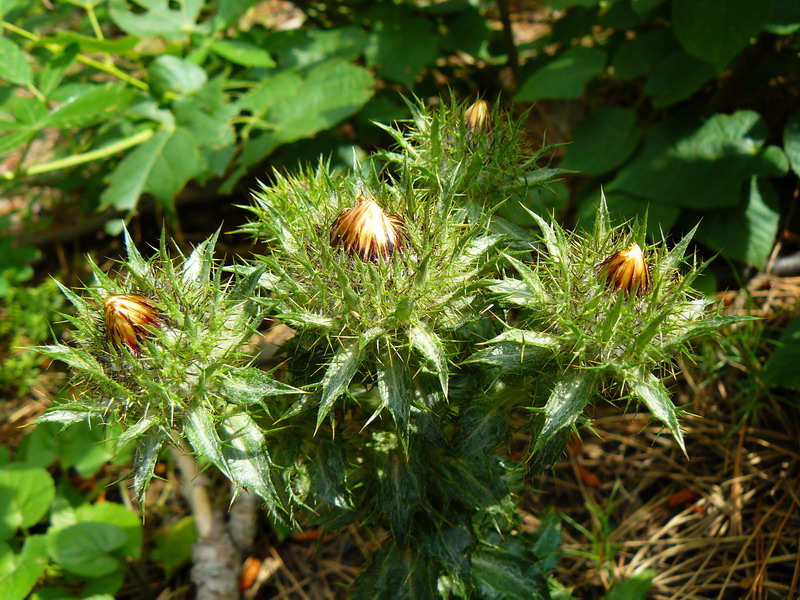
[[566, 403], [337, 378], [246, 456], [649, 390], [199, 428], [394, 386], [430, 347]]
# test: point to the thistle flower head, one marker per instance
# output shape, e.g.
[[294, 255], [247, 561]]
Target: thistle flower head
[[182, 384], [477, 116], [128, 318], [627, 270], [367, 231]]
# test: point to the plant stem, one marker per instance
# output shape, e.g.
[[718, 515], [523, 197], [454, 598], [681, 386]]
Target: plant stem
[[90, 62], [79, 159]]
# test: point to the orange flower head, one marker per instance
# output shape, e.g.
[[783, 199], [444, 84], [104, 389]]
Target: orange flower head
[[477, 116], [367, 231], [127, 318], [627, 270]]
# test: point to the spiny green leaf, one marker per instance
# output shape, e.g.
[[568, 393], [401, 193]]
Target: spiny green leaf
[[329, 475], [517, 351], [530, 278], [197, 268], [649, 390], [247, 385], [431, 348], [144, 463], [246, 457], [202, 434], [549, 236], [135, 262], [566, 403], [337, 378], [394, 386]]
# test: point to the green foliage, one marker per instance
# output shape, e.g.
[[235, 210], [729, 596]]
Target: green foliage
[[693, 149], [177, 381], [85, 544], [781, 368], [26, 318], [396, 397]]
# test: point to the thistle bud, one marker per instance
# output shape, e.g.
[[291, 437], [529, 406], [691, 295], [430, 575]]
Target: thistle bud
[[367, 231], [477, 116], [627, 270], [127, 318]]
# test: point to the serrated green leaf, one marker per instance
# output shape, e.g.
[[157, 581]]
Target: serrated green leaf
[[19, 574], [246, 457], [158, 19], [202, 435], [128, 179], [292, 108], [13, 140], [650, 391], [499, 575], [531, 279], [637, 56], [243, 53], [431, 348], [337, 378], [303, 48], [144, 463], [699, 162], [517, 352], [55, 68], [90, 105], [329, 475], [14, 65], [395, 389], [481, 427], [569, 397], [177, 75], [161, 166]]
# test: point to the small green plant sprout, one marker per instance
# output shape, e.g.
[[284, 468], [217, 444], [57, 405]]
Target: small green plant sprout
[[598, 311], [157, 350]]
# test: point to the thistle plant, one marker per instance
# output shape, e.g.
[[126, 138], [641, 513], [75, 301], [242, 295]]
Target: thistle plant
[[599, 313], [422, 334], [157, 351]]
